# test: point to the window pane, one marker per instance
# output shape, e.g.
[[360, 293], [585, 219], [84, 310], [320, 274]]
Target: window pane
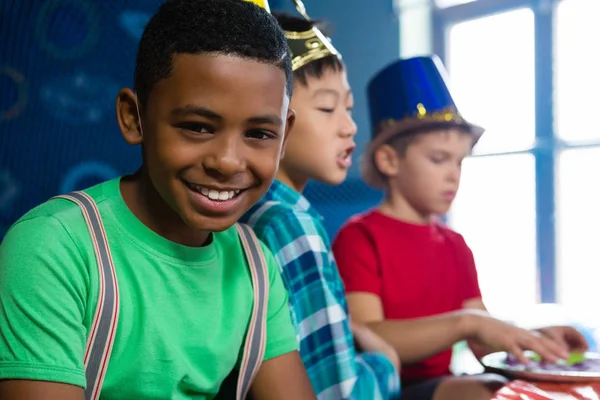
[[450, 3], [491, 63], [415, 31], [577, 64], [578, 218], [495, 212]]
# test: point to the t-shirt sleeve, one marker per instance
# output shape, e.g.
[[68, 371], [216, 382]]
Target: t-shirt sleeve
[[281, 334], [470, 281], [357, 261], [43, 292]]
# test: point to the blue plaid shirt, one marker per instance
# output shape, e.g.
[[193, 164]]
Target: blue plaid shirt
[[293, 230]]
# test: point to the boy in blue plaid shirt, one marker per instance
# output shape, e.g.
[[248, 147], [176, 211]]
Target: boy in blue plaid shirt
[[320, 147]]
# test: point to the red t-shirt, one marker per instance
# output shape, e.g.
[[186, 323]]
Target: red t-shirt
[[416, 270]]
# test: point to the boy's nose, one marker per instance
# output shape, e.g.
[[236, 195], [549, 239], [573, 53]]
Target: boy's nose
[[454, 175], [348, 128], [226, 157]]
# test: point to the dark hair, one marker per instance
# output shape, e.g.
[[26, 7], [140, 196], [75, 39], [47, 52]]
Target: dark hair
[[315, 68], [231, 27]]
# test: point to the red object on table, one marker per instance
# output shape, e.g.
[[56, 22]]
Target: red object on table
[[521, 390]]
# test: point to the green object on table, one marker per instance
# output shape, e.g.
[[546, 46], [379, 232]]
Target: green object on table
[[574, 358]]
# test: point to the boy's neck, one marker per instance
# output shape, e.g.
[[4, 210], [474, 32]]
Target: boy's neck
[[396, 206], [295, 182], [148, 206]]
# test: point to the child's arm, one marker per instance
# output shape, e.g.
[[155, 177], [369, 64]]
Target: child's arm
[[43, 290], [37, 390], [420, 338], [478, 350], [414, 339], [282, 377], [368, 341], [566, 337], [302, 248]]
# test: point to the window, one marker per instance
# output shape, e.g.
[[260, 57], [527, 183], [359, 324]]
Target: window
[[578, 161], [492, 78], [528, 203], [577, 65], [491, 71], [450, 3], [578, 218], [500, 227]]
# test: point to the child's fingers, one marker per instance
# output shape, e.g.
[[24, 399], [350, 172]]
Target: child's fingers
[[517, 352], [548, 349]]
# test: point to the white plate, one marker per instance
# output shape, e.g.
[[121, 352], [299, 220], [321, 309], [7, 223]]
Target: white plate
[[496, 362]]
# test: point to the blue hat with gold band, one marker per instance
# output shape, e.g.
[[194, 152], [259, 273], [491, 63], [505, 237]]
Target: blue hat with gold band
[[409, 95]]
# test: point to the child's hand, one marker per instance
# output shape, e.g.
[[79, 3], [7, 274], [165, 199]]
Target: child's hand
[[369, 341], [498, 335], [567, 337]]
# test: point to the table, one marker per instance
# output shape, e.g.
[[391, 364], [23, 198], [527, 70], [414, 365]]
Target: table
[[521, 390]]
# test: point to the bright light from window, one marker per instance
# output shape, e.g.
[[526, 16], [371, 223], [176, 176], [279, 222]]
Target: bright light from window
[[577, 64], [495, 212], [491, 65], [450, 3], [578, 218]]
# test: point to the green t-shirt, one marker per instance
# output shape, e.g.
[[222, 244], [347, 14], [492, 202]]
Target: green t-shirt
[[184, 311]]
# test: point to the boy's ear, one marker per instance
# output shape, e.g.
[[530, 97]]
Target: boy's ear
[[387, 160], [128, 116], [289, 125]]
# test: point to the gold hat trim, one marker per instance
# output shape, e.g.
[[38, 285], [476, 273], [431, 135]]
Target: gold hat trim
[[448, 114], [261, 3], [310, 45]]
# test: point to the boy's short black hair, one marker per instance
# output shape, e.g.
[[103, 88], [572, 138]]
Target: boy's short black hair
[[315, 68], [228, 27]]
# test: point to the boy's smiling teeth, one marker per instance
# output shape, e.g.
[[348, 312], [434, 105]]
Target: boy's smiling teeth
[[214, 194]]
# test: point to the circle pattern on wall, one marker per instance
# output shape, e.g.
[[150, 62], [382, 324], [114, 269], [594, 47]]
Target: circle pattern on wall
[[67, 29], [13, 98], [80, 98], [86, 171]]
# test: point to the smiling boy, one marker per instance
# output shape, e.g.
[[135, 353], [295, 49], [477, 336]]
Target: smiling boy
[[211, 113]]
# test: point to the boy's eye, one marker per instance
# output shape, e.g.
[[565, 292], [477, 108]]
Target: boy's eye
[[194, 127], [326, 110], [437, 160], [260, 135]]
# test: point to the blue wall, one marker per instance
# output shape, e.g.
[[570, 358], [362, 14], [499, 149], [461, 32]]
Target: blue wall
[[61, 65], [62, 62]]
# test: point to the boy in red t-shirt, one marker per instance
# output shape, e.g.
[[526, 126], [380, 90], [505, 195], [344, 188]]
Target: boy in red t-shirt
[[409, 277]]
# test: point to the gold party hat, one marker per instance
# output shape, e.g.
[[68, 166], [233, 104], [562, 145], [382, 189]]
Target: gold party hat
[[310, 45], [261, 3]]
